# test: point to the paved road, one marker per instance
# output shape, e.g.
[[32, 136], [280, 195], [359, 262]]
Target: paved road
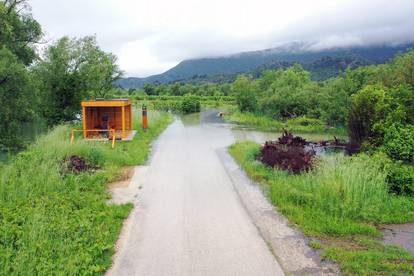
[[188, 219]]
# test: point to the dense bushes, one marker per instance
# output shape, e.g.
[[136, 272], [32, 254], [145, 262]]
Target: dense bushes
[[399, 142], [244, 90], [375, 108], [190, 104], [16, 96], [400, 179]]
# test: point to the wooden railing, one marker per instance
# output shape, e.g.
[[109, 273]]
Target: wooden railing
[[72, 139]]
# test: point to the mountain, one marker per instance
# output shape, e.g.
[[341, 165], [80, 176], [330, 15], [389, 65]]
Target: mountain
[[322, 64]]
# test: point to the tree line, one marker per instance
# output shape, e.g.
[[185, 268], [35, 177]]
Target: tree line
[[48, 83]]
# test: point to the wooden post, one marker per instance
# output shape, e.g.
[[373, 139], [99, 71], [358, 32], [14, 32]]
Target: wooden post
[[130, 117], [123, 122], [72, 139], [113, 138], [144, 117], [84, 121]]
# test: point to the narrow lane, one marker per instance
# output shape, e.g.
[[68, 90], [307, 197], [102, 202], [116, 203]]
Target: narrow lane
[[188, 219]]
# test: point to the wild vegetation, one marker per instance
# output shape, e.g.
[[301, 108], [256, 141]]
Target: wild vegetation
[[55, 219], [340, 203]]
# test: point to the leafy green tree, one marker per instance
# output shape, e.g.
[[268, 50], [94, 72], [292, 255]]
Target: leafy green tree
[[149, 89], [399, 142], [16, 98], [190, 104], [403, 69], [334, 102], [19, 32], [176, 89], [365, 113], [288, 92], [244, 89], [72, 70]]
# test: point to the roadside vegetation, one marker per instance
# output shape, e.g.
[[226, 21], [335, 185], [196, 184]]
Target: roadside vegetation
[[342, 202], [52, 219]]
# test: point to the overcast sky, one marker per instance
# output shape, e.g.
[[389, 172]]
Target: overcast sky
[[151, 36]]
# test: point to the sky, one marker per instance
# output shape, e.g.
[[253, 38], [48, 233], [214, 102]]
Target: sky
[[151, 36]]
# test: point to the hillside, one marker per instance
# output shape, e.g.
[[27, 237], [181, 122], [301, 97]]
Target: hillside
[[322, 64]]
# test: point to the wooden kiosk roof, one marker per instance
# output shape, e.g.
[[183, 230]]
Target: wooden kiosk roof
[[106, 103]]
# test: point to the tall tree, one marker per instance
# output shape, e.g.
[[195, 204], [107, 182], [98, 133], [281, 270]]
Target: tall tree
[[15, 98], [19, 32], [72, 70]]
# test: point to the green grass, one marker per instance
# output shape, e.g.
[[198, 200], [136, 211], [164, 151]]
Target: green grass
[[340, 203], [54, 223], [296, 125]]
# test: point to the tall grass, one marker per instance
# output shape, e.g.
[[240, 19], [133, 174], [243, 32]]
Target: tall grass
[[342, 199], [52, 222], [350, 190]]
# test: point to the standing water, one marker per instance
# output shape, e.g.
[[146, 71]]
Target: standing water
[[28, 133]]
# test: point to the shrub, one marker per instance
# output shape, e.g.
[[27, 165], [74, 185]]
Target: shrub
[[245, 90], [290, 158], [190, 104], [399, 142], [400, 179]]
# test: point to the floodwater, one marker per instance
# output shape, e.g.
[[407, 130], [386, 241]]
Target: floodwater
[[400, 234], [210, 118], [28, 133]]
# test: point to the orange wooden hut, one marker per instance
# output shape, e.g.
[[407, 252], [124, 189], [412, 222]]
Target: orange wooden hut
[[100, 117]]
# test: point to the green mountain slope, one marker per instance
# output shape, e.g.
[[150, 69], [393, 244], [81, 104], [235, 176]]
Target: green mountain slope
[[322, 64]]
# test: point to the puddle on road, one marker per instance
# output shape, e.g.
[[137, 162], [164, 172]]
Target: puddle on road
[[210, 117], [400, 234]]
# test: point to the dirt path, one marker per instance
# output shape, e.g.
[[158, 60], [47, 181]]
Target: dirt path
[[188, 217]]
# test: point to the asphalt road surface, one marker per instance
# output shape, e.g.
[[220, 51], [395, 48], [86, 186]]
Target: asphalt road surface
[[188, 218]]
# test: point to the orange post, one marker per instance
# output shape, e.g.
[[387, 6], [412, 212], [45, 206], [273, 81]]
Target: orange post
[[144, 118]]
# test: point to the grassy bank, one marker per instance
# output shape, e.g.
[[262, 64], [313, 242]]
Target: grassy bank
[[52, 221], [296, 125], [340, 204]]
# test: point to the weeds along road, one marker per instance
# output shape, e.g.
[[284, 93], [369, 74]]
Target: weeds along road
[[188, 219]]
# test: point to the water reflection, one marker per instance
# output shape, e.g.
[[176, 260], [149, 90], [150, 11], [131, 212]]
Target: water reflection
[[211, 117], [28, 132]]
